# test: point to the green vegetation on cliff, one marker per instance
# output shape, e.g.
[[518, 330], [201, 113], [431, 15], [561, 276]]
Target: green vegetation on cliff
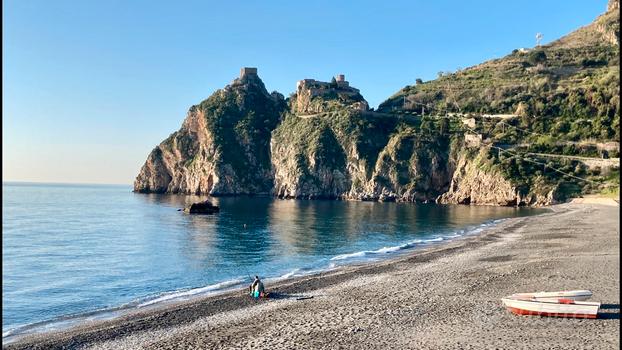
[[526, 129], [568, 89], [374, 155], [241, 120], [223, 146], [557, 99]]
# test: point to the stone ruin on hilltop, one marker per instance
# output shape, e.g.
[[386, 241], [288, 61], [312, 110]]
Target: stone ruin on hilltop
[[308, 89]]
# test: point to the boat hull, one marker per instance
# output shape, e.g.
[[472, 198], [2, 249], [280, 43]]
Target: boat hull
[[567, 309], [518, 311]]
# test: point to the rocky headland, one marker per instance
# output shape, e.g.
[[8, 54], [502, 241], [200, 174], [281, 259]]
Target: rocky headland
[[468, 137]]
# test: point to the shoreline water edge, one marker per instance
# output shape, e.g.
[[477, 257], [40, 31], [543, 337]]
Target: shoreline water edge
[[163, 299], [162, 318]]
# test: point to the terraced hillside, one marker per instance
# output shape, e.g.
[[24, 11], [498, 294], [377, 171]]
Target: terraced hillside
[[568, 88], [533, 105]]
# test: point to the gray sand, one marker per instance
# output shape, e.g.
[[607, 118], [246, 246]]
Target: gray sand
[[444, 297]]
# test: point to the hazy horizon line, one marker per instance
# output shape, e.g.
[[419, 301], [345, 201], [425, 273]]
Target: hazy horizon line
[[62, 183]]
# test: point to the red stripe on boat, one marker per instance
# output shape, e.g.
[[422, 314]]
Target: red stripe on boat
[[518, 311]]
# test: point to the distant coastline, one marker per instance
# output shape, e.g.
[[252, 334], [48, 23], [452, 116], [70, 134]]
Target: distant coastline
[[40, 183]]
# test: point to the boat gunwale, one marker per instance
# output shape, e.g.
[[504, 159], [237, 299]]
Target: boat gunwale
[[585, 303], [553, 294]]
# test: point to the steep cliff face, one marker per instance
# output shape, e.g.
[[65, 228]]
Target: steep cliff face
[[311, 164], [222, 147], [411, 167], [472, 183], [479, 181], [347, 152], [316, 155], [242, 140], [393, 166]]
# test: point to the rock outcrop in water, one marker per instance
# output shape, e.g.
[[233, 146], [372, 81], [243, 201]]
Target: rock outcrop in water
[[205, 207], [324, 142]]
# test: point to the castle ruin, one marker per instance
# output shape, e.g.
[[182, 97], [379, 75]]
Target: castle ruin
[[341, 80], [248, 71], [316, 85], [308, 89]]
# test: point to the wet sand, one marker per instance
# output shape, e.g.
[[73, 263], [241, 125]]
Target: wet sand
[[444, 297]]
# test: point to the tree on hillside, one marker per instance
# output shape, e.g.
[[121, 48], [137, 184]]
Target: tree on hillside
[[522, 110]]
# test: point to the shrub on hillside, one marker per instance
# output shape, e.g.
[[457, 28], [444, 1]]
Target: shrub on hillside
[[536, 56]]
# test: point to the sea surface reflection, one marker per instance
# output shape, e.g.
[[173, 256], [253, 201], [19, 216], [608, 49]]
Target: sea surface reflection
[[70, 249]]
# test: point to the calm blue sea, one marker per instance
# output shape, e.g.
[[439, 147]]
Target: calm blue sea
[[76, 252]]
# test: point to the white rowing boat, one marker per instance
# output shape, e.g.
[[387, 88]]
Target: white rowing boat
[[559, 308], [576, 295]]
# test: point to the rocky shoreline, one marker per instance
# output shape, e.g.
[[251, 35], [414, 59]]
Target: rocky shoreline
[[442, 297]]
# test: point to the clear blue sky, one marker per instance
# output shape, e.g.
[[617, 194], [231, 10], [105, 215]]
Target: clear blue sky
[[90, 87]]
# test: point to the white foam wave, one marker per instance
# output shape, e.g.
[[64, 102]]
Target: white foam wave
[[292, 273], [181, 294], [351, 255], [384, 250], [481, 227]]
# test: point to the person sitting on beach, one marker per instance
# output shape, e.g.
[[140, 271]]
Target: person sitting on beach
[[251, 287], [257, 288]]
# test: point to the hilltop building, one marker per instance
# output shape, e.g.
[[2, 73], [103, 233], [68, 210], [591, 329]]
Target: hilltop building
[[340, 89], [248, 71], [341, 80], [318, 87]]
